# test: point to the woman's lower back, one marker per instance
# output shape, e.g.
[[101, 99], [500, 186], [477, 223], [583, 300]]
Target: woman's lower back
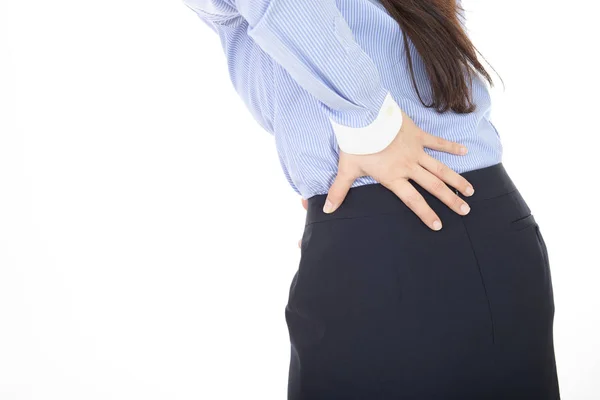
[[383, 307], [308, 150]]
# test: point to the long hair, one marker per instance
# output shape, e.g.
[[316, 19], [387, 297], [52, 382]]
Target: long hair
[[438, 34]]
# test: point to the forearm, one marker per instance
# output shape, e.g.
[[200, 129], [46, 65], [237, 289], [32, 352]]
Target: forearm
[[314, 43], [311, 40]]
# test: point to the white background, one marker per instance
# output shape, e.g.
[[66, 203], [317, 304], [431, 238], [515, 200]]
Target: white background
[[147, 234]]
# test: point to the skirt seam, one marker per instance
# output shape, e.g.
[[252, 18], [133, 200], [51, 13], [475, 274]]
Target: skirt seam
[[487, 298]]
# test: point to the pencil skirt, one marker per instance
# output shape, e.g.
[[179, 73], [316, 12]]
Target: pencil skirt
[[383, 307]]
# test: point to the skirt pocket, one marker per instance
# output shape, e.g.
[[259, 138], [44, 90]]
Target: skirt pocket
[[523, 222], [515, 270]]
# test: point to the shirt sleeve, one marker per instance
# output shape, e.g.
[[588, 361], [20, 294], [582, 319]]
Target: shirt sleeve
[[311, 40]]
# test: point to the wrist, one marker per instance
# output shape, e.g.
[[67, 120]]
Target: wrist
[[374, 137]]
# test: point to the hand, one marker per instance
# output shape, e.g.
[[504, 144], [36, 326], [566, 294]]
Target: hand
[[404, 159]]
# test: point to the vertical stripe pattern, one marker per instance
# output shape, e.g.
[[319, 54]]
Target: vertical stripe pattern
[[304, 138]]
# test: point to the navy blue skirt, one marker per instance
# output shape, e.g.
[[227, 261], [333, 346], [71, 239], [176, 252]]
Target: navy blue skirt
[[382, 307]]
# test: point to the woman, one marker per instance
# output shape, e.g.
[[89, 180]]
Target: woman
[[372, 105]]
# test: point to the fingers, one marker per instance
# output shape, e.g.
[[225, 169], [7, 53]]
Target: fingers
[[415, 201], [446, 174], [439, 189], [337, 192], [305, 206], [438, 143]]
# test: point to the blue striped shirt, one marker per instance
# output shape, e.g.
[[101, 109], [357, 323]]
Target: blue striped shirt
[[325, 75]]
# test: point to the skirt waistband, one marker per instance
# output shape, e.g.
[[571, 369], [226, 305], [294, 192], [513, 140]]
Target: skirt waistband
[[372, 199]]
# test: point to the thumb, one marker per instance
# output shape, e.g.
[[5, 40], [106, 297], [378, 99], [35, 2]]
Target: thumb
[[337, 192]]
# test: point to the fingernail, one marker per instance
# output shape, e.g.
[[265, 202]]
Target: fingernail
[[328, 208], [465, 208], [300, 243], [463, 150], [437, 225], [469, 191]]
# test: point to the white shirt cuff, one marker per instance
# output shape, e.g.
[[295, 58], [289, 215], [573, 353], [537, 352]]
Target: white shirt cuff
[[374, 137]]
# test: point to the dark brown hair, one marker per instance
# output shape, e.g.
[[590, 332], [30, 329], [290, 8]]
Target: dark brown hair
[[438, 34]]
